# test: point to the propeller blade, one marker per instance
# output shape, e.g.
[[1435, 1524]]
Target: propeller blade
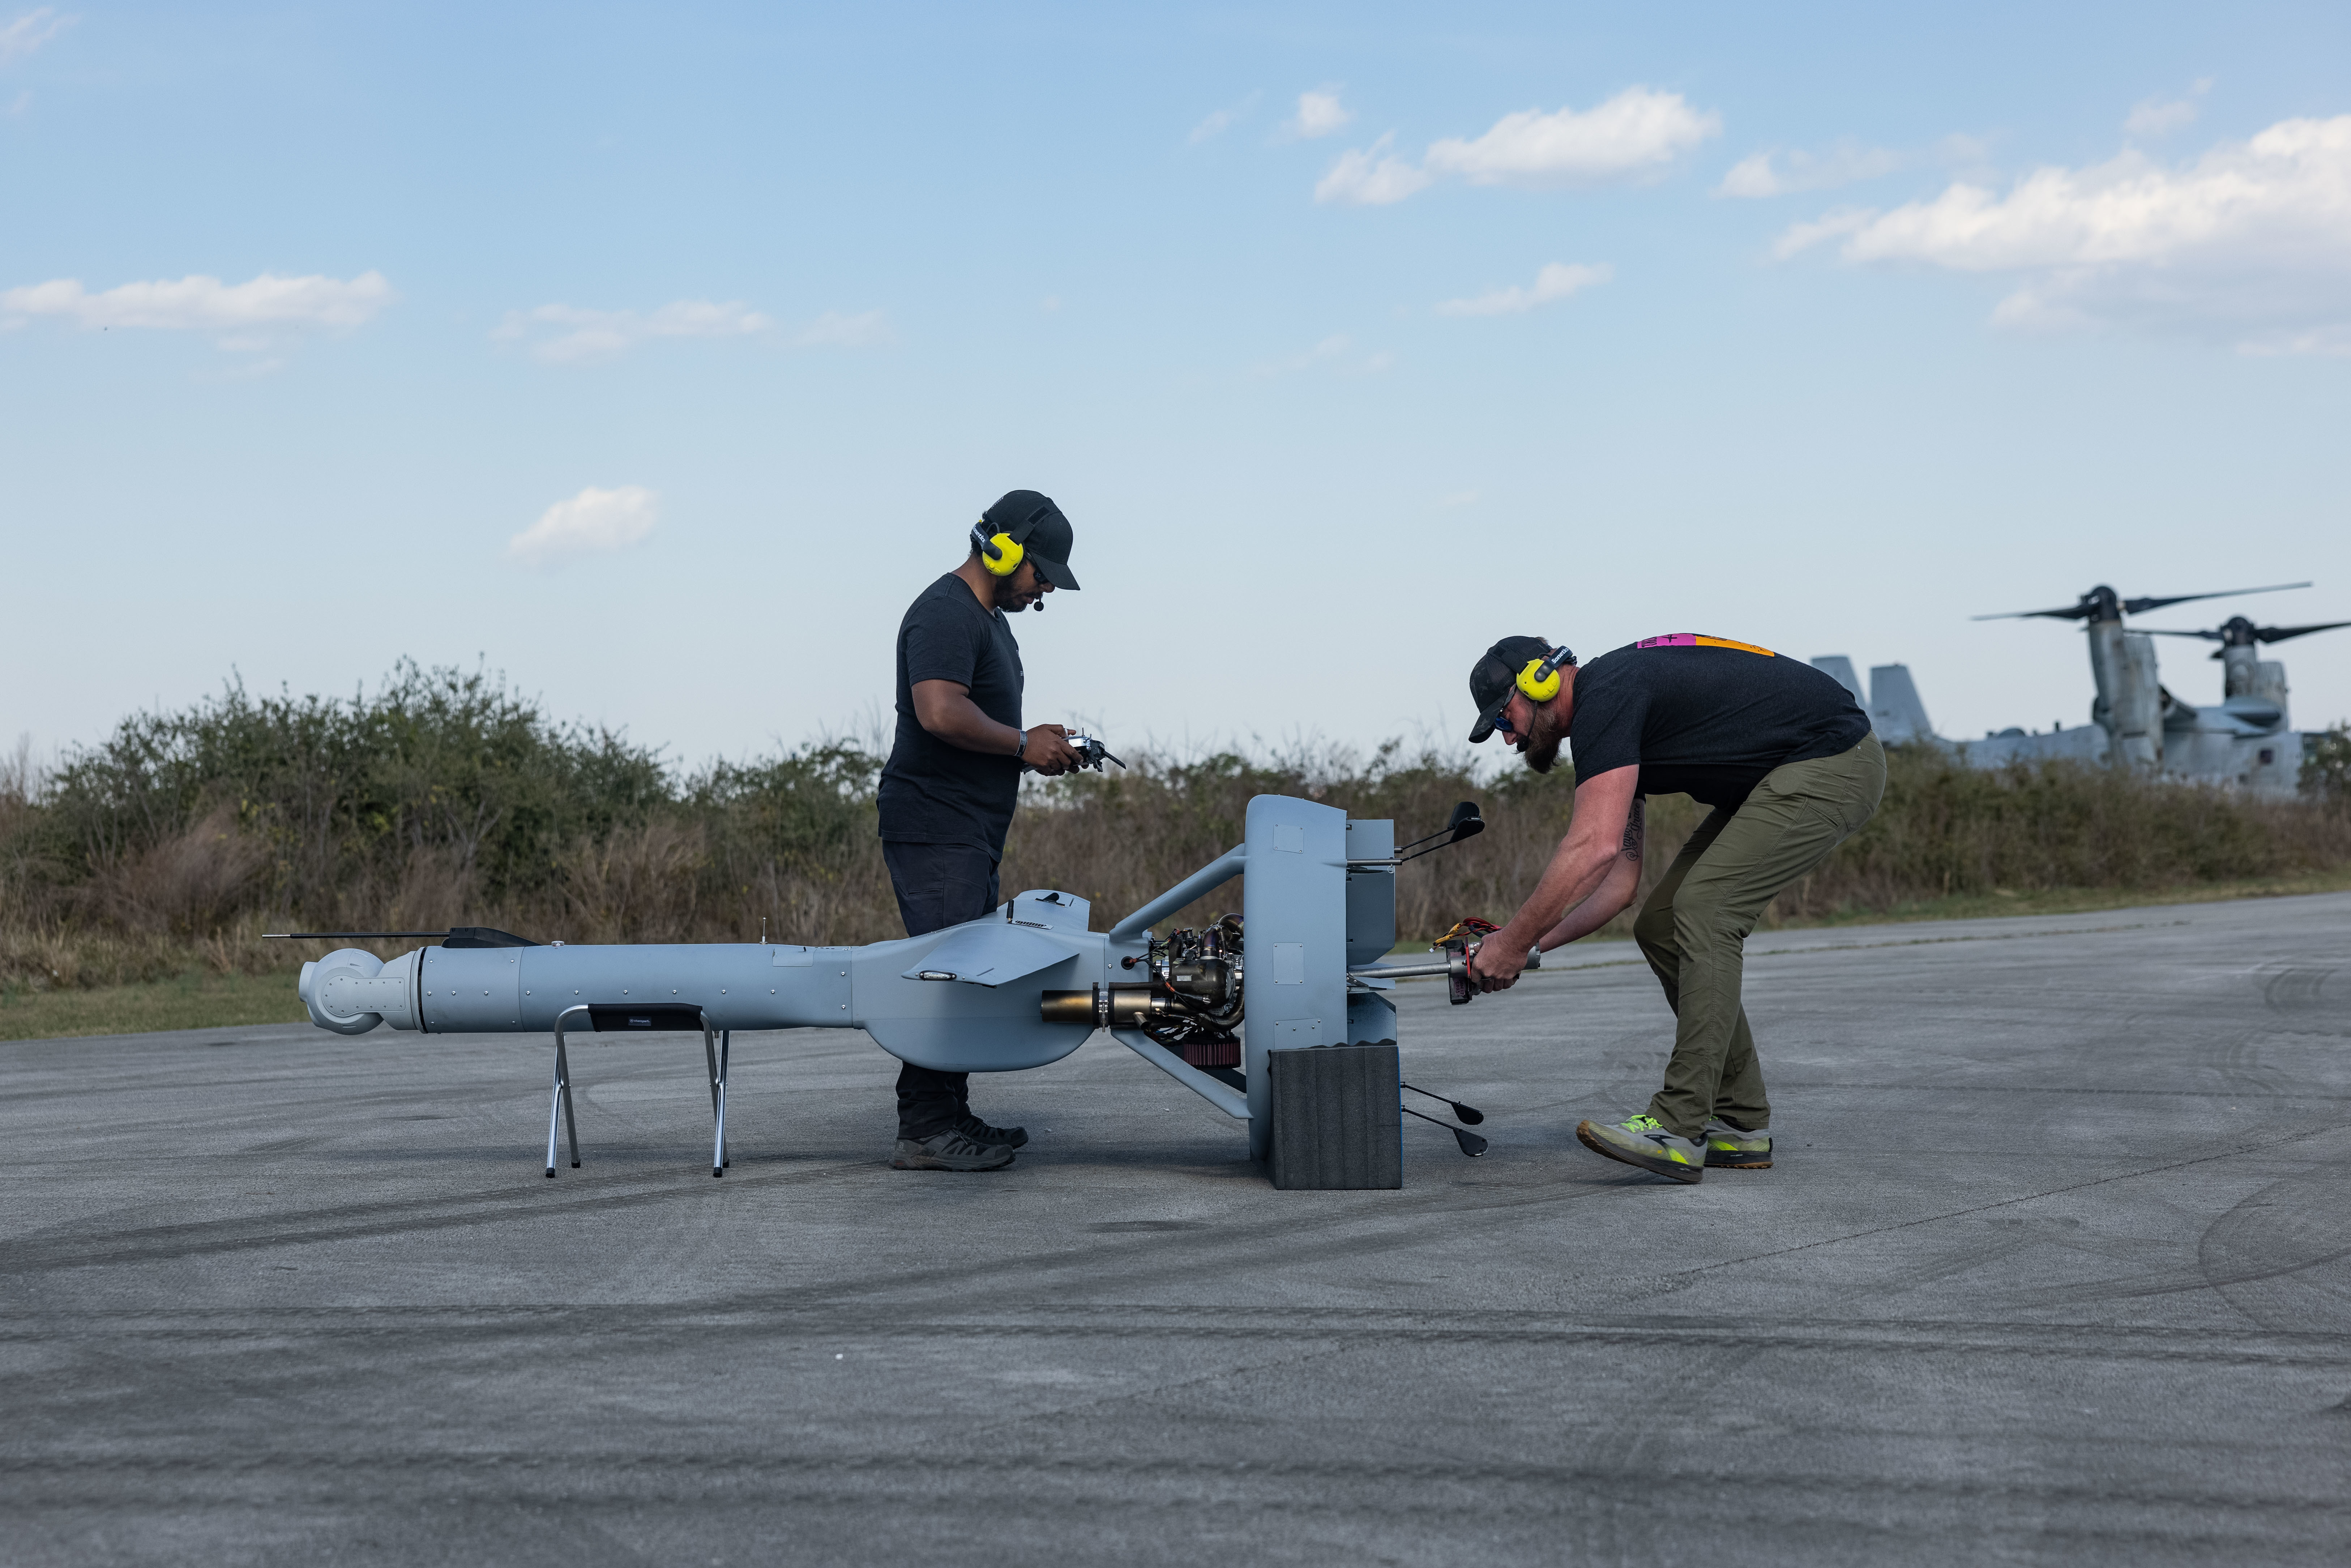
[[2280, 634], [1470, 1114], [1471, 1144], [2078, 612], [2160, 631], [1465, 823], [2141, 606]]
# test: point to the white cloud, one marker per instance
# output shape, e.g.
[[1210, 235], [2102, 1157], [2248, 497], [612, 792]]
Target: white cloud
[[1222, 121], [200, 304], [567, 334], [1752, 176], [1640, 132], [1555, 281], [2291, 184], [2159, 117], [1369, 177], [1319, 114], [1828, 225], [593, 522], [28, 32], [1637, 132], [2251, 242], [1336, 353], [1329, 348], [1776, 174], [571, 335], [834, 330], [2333, 339], [1970, 155]]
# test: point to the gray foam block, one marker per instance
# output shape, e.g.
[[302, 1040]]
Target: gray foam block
[[1335, 1118]]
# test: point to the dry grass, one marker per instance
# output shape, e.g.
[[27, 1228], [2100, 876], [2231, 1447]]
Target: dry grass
[[1945, 835], [443, 800], [194, 1000]]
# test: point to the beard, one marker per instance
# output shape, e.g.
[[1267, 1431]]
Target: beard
[[1024, 590], [1542, 744]]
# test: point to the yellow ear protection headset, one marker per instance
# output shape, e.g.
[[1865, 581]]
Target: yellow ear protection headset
[[1001, 553], [1539, 681]]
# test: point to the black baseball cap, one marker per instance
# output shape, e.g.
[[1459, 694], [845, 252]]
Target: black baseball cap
[[1037, 527], [1495, 676]]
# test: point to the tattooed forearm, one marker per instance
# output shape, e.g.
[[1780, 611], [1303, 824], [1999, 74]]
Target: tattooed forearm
[[1632, 830]]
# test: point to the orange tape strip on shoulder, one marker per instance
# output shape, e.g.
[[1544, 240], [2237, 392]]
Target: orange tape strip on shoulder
[[1694, 640]]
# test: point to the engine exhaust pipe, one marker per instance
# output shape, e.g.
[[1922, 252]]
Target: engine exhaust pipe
[[1107, 1006]]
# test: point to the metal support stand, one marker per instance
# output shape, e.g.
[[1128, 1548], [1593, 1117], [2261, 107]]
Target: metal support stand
[[719, 1159], [717, 1048], [560, 1105]]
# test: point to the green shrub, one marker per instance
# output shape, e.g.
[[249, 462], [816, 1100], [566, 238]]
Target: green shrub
[[444, 798], [2326, 765]]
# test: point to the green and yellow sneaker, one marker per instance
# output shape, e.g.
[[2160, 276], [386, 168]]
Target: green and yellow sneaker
[[1731, 1148], [1644, 1142]]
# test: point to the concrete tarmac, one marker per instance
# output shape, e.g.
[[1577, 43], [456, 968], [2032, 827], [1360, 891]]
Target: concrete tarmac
[[2054, 1266]]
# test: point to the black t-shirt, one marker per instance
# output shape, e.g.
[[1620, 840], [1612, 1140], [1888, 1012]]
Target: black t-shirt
[[933, 792], [1704, 717]]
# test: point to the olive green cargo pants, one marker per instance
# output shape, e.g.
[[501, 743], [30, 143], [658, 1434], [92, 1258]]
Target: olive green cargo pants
[[1693, 928]]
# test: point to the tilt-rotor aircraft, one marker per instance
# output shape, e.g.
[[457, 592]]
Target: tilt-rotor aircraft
[[2245, 739]]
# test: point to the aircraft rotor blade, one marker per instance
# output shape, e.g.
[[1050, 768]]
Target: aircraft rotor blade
[[2160, 632], [2280, 634], [2077, 612], [2141, 606]]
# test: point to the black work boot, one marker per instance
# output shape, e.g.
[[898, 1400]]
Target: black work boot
[[950, 1150], [979, 1131]]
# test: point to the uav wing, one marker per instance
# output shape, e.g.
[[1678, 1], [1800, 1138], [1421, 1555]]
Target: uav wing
[[989, 955]]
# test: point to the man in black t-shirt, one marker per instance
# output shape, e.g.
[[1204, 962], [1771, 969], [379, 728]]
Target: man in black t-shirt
[[954, 775], [1787, 760]]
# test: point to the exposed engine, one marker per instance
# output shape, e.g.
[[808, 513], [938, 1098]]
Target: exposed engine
[[1191, 1003]]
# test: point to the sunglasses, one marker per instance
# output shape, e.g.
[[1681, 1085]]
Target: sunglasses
[[1502, 722]]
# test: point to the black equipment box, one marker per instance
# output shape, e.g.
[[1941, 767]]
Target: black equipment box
[[1336, 1123]]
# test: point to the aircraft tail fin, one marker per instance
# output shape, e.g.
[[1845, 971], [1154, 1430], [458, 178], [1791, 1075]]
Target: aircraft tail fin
[[1896, 711]]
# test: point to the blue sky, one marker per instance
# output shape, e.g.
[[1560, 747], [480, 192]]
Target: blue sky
[[659, 356]]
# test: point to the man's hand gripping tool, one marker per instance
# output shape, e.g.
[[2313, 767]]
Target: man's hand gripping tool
[[1459, 946]]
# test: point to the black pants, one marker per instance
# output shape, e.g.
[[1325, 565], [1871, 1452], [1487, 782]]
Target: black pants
[[937, 885]]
